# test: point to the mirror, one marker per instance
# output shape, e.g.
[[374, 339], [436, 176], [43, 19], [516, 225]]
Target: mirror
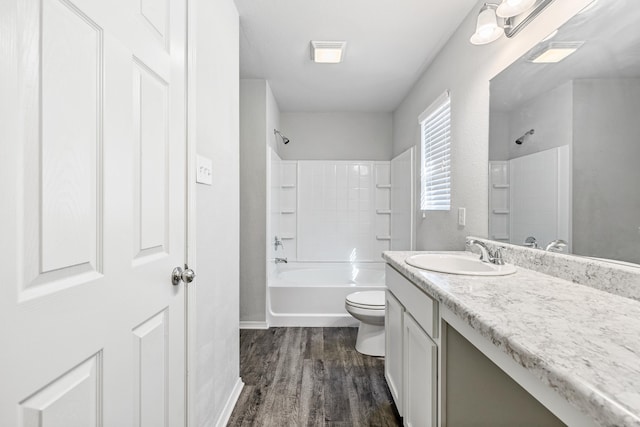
[[564, 140]]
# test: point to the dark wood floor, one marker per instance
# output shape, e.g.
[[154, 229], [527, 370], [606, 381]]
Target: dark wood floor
[[310, 377]]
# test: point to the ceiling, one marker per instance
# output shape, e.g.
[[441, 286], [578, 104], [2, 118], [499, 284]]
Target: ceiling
[[389, 44], [611, 50]]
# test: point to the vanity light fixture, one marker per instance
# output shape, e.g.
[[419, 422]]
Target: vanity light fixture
[[509, 8], [554, 52], [327, 52], [508, 17], [487, 28]]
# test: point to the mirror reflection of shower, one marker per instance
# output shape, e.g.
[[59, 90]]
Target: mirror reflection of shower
[[520, 140], [285, 140]]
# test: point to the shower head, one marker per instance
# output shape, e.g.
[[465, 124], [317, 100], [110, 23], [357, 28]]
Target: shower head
[[285, 140], [520, 140]]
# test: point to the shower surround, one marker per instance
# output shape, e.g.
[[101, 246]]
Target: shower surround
[[333, 218]]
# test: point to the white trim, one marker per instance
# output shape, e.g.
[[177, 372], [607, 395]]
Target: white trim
[[191, 357], [433, 106], [250, 324], [302, 320], [230, 404], [543, 393]]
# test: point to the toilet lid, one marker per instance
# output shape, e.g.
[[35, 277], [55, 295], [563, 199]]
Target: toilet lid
[[367, 299]]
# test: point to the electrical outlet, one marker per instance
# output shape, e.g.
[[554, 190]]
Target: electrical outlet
[[462, 217]]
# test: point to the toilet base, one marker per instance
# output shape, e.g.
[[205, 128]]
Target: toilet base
[[370, 339]]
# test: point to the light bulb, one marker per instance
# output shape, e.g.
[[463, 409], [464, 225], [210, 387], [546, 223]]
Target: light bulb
[[509, 8], [487, 29]]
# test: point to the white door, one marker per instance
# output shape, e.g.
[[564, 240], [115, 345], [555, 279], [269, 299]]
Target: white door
[[92, 212]]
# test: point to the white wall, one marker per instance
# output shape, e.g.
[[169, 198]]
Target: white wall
[[253, 202], [337, 136], [550, 115], [465, 70], [606, 151], [259, 115], [499, 135], [272, 113], [216, 133]]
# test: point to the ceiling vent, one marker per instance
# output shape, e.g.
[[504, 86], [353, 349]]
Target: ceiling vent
[[327, 52]]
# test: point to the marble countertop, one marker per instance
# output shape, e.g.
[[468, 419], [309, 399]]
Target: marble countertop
[[582, 342]]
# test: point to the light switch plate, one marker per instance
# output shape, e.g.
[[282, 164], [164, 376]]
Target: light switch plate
[[462, 217], [204, 170]]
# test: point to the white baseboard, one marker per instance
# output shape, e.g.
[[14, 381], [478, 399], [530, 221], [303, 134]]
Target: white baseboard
[[312, 320], [248, 324], [231, 403]]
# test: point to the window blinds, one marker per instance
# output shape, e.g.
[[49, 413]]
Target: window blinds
[[435, 125]]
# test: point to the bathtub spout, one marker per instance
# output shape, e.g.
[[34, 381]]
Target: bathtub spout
[[280, 260]]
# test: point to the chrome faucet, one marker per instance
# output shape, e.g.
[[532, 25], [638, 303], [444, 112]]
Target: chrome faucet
[[556, 246], [278, 242], [485, 253], [280, 260]]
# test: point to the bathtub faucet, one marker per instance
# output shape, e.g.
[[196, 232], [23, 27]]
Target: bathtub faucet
[[277, 242], [280, 260]]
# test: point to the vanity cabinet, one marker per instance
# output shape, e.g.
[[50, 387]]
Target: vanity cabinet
[[394, 327], [411, 320], [420, 381]]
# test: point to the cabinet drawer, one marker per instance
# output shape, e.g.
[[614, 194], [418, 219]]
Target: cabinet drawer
[[422, 307]]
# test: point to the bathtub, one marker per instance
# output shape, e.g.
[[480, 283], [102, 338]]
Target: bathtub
[[312, 294]]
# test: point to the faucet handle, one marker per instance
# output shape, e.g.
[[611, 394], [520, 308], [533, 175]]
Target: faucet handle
[[277, 242], [497, 257], [531, 242], [556, 245]]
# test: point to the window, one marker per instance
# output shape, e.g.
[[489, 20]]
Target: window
[[435, 170]]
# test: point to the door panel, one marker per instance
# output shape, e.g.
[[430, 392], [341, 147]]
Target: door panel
[[62, 183], [70, 137], [150, 371], [420, 376], [92, 131], [150, 111], [394, 347], [73, 400]]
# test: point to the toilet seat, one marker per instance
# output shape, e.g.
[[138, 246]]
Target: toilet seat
[[369, 300]]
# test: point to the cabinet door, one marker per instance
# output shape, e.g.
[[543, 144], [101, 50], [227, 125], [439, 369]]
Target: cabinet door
[[420, 377], [393, 348]]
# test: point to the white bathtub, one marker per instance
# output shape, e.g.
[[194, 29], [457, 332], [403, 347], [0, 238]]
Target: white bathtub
[[313, 294]]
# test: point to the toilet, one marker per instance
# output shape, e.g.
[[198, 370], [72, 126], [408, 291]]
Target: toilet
[[368, 308]]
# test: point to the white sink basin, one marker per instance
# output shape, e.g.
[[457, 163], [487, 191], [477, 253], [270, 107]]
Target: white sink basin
[[460, 263]]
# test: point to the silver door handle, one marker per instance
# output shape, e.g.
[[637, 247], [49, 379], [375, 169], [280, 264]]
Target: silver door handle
[[179, 275]]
